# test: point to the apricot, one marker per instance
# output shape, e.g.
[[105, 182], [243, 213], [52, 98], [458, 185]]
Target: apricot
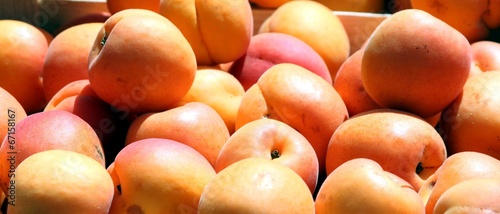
[[402, 143], [159, 176], [471, 196], [256, 185], [21, 63], [273, 140], [362, 186], [219, 31], [74, 88], [67, 57], [434, 120], [66, 182], [48, 36], [468, 123], [109, 124], [458, 168], [218, 89], [268, 49], [299, 98], [393, 70], [322, 30], [486, 55], [43, 131], [474, 69], [350, 87], [194, 124], [106, 123], [133, 67]]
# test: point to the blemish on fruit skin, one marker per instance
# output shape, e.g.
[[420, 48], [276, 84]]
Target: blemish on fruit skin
[[119, 188], [440, 7], [124, 82], [101, 155], [135, 209], [361, 89], [424, 48]]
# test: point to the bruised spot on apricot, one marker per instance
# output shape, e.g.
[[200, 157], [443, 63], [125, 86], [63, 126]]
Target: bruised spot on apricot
[[119, 188]]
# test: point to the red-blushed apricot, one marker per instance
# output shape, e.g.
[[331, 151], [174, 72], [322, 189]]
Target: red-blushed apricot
[[21, 63], [159, 176], [268, 49], [409, 65], [322, 30], [299, 98]]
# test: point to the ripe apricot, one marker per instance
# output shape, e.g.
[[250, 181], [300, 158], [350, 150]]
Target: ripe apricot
[[350, 86], [66, 182], [299, 98], [67, 57], [322, 30], [409, 64], [469, 123], [194, 124], [21, 63], [402, 143], [133, 65], [218, 89]]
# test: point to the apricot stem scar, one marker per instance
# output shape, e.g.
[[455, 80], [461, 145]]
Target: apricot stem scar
[[104, 38], [275, 154]]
